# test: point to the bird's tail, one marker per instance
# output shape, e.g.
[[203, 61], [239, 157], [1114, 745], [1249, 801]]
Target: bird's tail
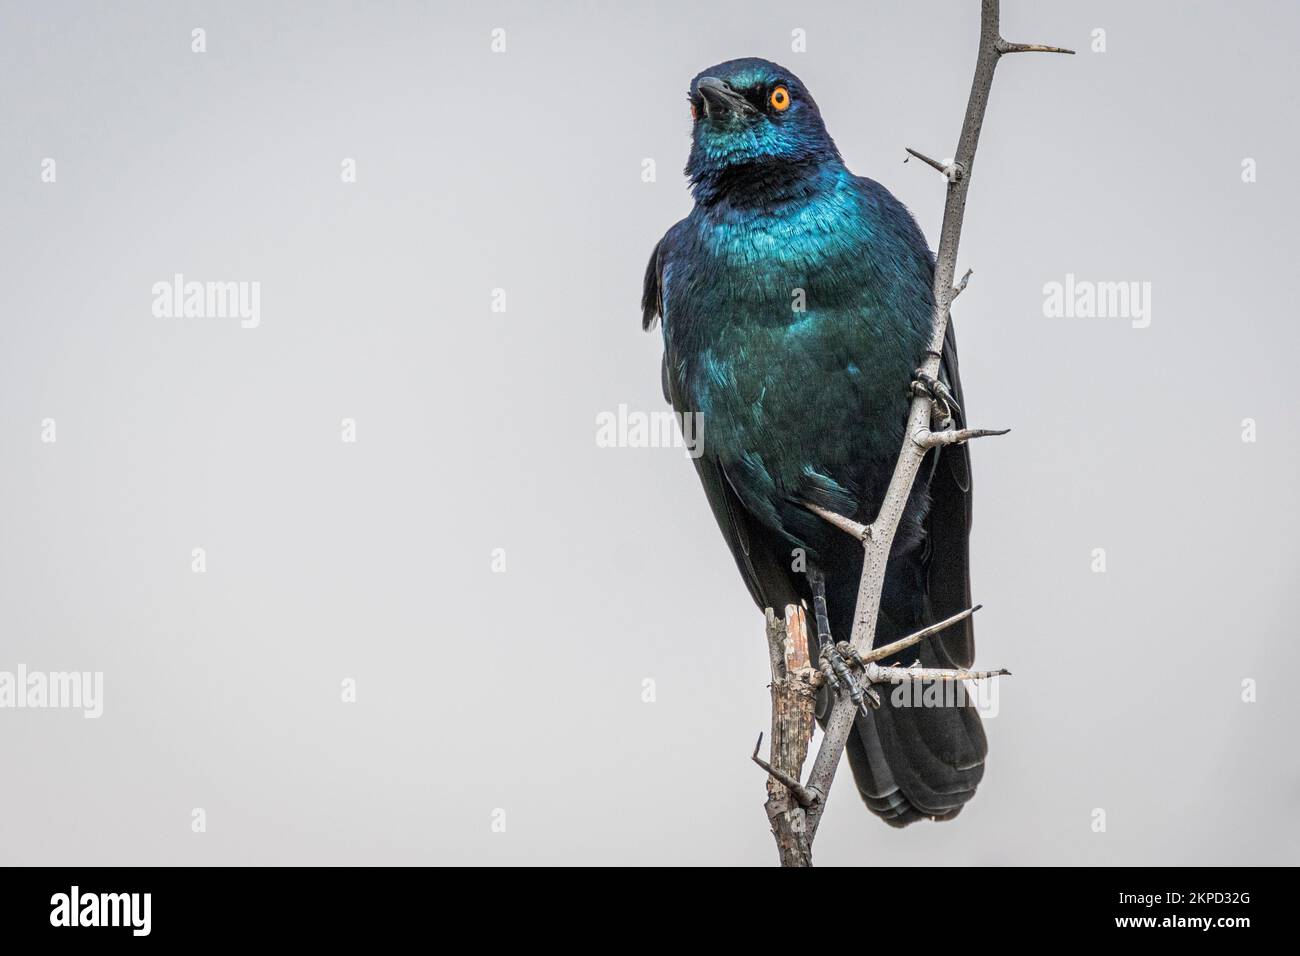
[[920, 755], [913, 760]]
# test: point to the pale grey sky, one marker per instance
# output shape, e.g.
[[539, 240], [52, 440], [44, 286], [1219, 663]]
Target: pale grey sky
[[475, 430]]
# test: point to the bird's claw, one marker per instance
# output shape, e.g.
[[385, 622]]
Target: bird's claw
[[926, 385], [836, 664]]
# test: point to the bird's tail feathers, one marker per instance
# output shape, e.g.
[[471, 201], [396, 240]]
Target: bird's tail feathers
[[920, 755]]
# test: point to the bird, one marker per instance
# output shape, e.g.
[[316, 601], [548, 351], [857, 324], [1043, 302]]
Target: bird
[[796, 303]]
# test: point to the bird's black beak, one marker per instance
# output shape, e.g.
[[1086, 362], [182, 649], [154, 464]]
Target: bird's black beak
[[720, 100]]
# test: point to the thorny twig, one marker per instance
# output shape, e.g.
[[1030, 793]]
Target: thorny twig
[[796, 843]]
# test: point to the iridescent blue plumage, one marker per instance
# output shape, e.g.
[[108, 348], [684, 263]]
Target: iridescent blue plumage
[[797, 301]]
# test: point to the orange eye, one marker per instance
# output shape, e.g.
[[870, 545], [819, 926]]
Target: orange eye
[[780, 99]]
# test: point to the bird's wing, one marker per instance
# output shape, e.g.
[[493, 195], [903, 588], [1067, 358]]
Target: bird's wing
[[652, 295], [757, 551], [763, 559], [948, 524]]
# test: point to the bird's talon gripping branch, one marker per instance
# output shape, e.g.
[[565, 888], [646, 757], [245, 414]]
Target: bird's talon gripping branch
[[850, 654], [832, 659], [837, 672], [925, 385], [835, 664]]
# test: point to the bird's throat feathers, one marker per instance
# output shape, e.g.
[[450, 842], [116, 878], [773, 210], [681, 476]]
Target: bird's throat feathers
[[766, 182], [782, 223]]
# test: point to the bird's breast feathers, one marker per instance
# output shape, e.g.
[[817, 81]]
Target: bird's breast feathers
[[793, 330]]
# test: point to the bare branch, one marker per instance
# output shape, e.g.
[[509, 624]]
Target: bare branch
[[776, 645], [794, 700], [878, 537]]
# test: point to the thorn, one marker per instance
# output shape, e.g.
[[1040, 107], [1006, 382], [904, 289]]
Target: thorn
[[928, 439], [860, 531], [903, 643], [802, 795], [1003, 46], [960, 287], [954, 171], [895, 675]]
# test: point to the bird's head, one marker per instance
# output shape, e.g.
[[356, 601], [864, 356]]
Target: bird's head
[[752, 119]]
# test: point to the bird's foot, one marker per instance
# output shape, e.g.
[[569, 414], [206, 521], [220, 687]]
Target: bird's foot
[[836, 664], [926, 385]]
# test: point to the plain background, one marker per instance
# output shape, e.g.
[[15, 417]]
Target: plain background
[[523, 691]]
